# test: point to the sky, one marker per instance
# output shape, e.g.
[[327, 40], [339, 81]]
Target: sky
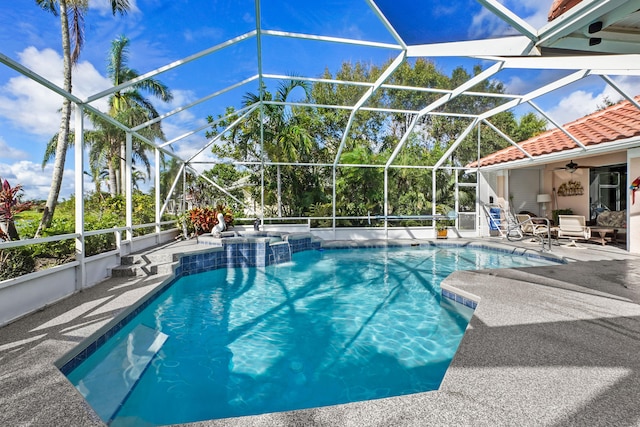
[[164, 32]]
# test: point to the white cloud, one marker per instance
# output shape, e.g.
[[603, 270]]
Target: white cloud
[[535, 12], [35, 181], [575, 105], [188, 148], [11, 152], [486, 24], [180, 99], [581, 102], [35, 109]]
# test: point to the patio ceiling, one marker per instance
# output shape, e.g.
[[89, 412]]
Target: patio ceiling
[[598, 38]]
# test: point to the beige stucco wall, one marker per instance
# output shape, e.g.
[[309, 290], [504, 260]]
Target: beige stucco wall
[[555, 176]]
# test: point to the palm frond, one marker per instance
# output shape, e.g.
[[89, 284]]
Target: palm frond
[[120, 6], [48, 5]]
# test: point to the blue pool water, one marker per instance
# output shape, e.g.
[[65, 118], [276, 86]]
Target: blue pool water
[[329, 327]]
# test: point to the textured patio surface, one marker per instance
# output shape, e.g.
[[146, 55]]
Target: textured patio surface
[[547, 346]]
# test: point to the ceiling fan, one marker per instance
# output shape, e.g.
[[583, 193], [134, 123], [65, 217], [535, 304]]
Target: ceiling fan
[[572, 166]]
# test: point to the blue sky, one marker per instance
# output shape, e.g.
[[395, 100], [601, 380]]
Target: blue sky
[[162, 32]]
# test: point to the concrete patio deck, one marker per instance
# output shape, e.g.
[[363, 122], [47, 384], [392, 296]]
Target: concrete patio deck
[[547, 346]]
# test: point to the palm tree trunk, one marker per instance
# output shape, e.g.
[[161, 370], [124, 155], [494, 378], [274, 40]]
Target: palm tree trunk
[[113, 181], [63, 133]]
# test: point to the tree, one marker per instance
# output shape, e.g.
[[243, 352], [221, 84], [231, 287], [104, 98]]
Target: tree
[[423, 74], [129, 107], [529, 125], [360, 191], [367, 127], [69, 31], [231, 179], [371, 139], [285, 134], [606, 102]]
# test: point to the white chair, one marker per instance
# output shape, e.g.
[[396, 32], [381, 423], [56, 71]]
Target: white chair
[[529, 227], [573, 227]]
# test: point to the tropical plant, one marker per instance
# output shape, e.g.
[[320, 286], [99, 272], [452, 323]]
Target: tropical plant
[[204, 219], [70, 31], [10, 205], [286, 137], [443, 224], [129, 107], [107, 142], [15, 262]]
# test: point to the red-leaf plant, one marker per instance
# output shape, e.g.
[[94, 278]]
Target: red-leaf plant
[[10, 205], [204, 219]]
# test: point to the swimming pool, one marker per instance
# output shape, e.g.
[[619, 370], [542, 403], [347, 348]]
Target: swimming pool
[[330, 327]]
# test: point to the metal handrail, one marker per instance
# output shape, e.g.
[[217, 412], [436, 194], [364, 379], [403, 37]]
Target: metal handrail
[[535, 235], [87, 233]]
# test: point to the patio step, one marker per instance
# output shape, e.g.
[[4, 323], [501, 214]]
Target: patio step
[[140, 265]]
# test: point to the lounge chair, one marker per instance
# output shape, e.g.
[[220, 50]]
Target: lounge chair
[[529, 227], [573, 227]]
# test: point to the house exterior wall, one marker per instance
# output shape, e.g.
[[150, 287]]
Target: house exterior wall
[[524, 187], [579, 204]]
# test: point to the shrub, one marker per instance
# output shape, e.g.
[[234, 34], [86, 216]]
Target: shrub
[[15, 262], [204, 219]]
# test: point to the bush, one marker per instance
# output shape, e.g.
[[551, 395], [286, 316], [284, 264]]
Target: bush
[[102, 212], [15, 262], [204, 219]]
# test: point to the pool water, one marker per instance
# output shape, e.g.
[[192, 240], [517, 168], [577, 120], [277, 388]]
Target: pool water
[[329, 327]]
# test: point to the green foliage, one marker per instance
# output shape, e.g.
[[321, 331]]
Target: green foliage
[[307, 135], [529, 126], [102, 212], [61, 250], [444, 223], [360, 191], [15, 262]]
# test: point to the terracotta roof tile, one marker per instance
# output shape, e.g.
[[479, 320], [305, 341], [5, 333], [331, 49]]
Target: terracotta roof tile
[[559, 7], [619, 121]]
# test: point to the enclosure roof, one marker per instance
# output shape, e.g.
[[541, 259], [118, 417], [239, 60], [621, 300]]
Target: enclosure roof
[[586, 41], [616, 123]]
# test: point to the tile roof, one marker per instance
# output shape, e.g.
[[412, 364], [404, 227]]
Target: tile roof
[[561, 6], [619, 121]]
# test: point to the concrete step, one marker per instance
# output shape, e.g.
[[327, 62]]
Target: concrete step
[[135, 259], [142, 270]]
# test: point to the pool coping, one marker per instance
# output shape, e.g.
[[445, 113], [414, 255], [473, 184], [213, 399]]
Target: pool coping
[[484, 386]]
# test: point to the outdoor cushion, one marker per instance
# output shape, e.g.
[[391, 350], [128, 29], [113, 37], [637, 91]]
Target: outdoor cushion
[[613, 219]]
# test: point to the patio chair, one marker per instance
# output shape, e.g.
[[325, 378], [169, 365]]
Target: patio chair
[[530, 228], [573, 227]]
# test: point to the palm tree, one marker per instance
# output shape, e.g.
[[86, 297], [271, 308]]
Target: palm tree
[[131, 108], [107, 142], [69, 31], [285, 138]]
